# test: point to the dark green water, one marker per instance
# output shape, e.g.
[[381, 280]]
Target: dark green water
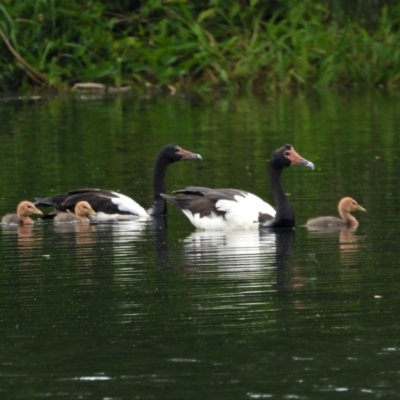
[[125, 311]]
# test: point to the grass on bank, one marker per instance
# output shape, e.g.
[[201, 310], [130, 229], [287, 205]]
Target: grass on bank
[[56, 44]]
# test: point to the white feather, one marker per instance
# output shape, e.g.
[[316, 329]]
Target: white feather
[[125, 203], [123, 217], [241, 213], [211, 222]]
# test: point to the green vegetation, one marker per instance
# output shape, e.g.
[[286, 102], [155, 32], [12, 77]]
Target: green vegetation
[[191, 44]]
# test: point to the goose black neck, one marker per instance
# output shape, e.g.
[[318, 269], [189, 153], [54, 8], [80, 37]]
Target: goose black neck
[[284, 217], [159, 204]]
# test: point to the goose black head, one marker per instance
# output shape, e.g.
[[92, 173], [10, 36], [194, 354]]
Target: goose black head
[[174, 153], [287, 156]]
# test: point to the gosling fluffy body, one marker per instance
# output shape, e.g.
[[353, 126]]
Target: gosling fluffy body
[[345, 207], [81, 212], [22, 217]]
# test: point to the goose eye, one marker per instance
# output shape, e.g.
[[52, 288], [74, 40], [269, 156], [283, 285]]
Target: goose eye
[[287, 154]]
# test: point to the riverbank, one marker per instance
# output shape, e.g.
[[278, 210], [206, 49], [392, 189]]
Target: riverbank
[[178, 45]]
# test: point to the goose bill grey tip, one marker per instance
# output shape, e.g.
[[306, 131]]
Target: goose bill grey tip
[[307, 164], [296, 159], [188, 155]]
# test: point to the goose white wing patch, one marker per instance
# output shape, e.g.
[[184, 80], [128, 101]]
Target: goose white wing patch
[[211, 222], [244, 211], [126, 204], [241, 213], [248, 203]]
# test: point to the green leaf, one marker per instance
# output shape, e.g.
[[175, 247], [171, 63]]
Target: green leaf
[[206, 14]]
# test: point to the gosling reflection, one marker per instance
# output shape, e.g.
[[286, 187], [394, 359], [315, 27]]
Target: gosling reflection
[[90, 247], [348, 242], [27, 235], [82, 234], [27, 240], [121, 239]]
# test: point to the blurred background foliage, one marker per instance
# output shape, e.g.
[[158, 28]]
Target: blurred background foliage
[[255, 44]]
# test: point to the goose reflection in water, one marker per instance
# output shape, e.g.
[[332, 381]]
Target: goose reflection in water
[[234, 248], [241, 254], [99, 245], [348, 242], [127, 231], [123, 239]]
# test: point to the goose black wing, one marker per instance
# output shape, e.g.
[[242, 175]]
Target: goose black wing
[[99, 199], [203, 201]]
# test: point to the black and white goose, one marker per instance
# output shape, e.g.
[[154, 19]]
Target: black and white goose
[[113, 205], [229, 209]]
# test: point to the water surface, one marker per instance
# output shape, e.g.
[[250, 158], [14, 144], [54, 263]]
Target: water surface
[[139, 310]]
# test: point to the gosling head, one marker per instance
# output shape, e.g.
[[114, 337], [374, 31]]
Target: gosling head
[[83, 208], [26, 208], [347, 204]]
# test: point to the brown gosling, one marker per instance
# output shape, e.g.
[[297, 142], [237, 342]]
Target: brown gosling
[[82, 210], [24, 210], [345, 207]]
